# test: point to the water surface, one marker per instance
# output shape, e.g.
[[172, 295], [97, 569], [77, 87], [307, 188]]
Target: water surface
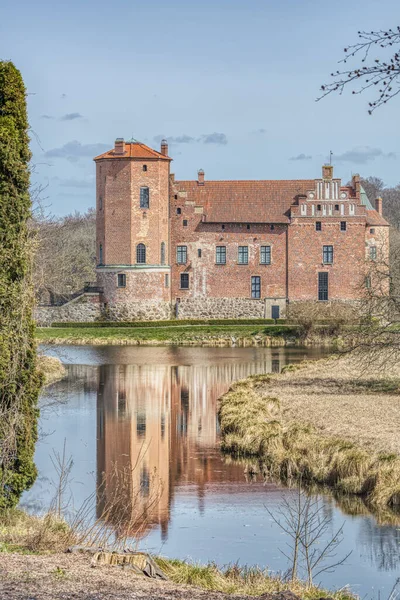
[[155, 407]]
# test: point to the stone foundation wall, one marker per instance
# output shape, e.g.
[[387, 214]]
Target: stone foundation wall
[[84, 309], [221, 308], [135, 310]]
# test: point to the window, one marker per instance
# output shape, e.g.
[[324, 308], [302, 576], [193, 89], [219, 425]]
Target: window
[[141, 424], [144, 197], [248, 226], [178, 211], [336, 206], [121, 280], [144, 483], [166, 280], [141, 254], [181, 255], [199, 253], [323, 286], [243, 255], [185, 222], [184, 281], [100, 202], [176, 196], [222, 226], [318, 226], [256, 287], [368, 282], [220, 256], [372, 231], [343, 225], [272, 227], [327, 255], [372, 252], [318, 207], [121, 402], [265, 255], [100, 254], [144, 167], [162, 253]]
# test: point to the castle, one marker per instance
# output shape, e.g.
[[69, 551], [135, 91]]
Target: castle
[[226, 249]]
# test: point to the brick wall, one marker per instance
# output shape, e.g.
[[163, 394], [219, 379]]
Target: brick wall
[[232, 280], [305, 258]]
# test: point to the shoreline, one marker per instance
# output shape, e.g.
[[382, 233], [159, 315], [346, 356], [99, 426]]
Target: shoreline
[[320, 423], [46, 548], [52, 369], [186, 335]]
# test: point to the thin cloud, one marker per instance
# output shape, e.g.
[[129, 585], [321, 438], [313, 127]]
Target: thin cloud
[[362, 155], [74, 150], [63, 96], [46, 117], [214, 138], [206, 138], [301, 156], [179, 139], [71, 116]]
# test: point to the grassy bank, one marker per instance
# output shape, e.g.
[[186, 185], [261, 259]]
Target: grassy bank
[[52, 368], [323, 422], [196, 335], [43, 541]]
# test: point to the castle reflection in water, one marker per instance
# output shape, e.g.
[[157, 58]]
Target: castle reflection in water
[[159, 424]]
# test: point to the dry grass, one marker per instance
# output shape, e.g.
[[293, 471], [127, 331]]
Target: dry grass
[[52, 368], [327, 422], [24, 533], [64, 576], [31, 537], [233, 579]]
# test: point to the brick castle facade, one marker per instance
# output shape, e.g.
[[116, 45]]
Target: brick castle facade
[[201, 249]]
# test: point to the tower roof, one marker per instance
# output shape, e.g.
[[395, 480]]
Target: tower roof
[[134, 150]]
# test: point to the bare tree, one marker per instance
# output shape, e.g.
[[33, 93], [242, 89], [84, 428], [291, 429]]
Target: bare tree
[[313, 548], [66, 255], [379, 52]]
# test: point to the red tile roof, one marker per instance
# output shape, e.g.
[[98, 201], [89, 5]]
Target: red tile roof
[[246, 201], [134, 150], [374, 218]]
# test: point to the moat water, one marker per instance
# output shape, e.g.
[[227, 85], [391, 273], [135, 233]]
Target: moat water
[[155, 408]]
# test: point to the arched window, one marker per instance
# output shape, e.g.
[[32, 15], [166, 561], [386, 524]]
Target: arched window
[[100, 254], [163, 253], [141, 253]]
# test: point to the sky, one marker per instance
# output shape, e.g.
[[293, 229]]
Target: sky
[[232, 85]]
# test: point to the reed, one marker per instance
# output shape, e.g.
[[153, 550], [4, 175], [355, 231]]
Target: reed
[[285, 421]]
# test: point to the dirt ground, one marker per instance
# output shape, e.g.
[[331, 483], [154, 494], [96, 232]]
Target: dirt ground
[[342, 398], [71, 577]]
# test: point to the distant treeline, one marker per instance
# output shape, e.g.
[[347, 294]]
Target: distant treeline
[[66, 254]]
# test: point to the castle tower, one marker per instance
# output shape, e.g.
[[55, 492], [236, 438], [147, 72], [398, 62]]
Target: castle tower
[[132, 234]]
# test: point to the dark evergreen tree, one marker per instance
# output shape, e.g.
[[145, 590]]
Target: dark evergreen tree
[[19, 379]]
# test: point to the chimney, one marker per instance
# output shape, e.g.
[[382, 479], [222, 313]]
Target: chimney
[[327, 171], [164, 147], [378, 205], [119, 147], [357, 185], [200, 177]]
